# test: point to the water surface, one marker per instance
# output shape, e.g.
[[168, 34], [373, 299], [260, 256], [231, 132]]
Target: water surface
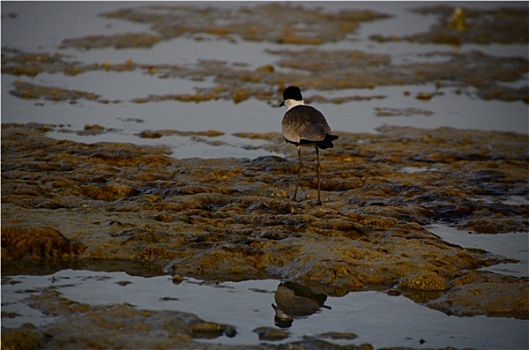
[[375, 317]]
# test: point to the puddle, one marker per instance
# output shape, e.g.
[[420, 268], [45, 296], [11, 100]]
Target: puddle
[[513, 245], [373, 316], [414, 169], [507, 200], [516, 200]]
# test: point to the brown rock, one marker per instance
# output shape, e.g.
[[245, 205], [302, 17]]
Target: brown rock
[[428, 281]]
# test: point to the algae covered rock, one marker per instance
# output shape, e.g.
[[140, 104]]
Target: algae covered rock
[[428, 281], [228, 219]]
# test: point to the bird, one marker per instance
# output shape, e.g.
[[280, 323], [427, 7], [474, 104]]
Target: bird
[[304, 125], [296, 301]]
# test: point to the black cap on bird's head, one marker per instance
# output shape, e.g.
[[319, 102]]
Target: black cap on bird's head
[[291, 93]]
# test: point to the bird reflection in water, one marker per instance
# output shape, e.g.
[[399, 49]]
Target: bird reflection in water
[[295, 301]]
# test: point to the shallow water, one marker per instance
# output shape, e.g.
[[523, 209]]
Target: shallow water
[[375, 317], [513, 245], [42, 27]]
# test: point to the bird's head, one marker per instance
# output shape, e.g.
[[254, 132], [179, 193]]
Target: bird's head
[[291, 97]]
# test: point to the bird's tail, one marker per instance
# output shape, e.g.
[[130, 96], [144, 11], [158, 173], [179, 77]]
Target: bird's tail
[[327, 143]]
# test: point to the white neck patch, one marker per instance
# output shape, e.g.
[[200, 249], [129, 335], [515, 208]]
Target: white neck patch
[[290, 103]]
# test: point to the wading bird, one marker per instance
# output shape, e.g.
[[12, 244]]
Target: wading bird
[[304, 125]]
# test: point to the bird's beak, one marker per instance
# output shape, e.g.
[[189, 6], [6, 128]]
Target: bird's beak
[[282, 104]]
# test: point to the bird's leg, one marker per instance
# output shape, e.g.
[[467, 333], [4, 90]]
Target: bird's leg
[[318, 173], [299, 172]]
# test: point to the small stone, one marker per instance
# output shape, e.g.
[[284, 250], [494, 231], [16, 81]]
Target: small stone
[[338, 335], [424, 96], [208, 330], [266, 69], [123, 283], [271, 334], [177, 279], [393, 293]]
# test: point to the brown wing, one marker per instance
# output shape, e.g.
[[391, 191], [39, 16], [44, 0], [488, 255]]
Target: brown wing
[[304, 123]]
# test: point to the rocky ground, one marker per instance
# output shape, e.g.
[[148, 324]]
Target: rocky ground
[[231, 219]]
